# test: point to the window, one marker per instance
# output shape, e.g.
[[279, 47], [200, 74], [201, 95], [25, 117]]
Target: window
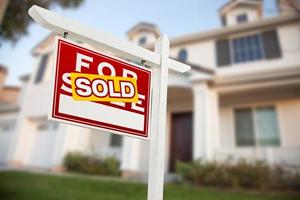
[[224, 22], [247, 48], [265, 45], [115, 140], [242, 18], [244, 127], [142, 40], [42, 68], [6, 128], [46, 125], [183, 55], [256, 127]]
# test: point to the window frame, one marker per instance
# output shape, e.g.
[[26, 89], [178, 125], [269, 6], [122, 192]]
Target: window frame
[[144, 39], [180, 51], [113, 145], [45, 125], [232, 51], [38, 80], [238, 17], [253, 108], [7, 127]]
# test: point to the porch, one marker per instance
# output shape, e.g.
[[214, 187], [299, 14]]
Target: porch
[[214, 120]]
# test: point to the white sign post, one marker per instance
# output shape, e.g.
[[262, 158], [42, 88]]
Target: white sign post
[[160, 62], [158, 128]]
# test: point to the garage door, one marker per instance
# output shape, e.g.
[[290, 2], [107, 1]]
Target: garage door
[[43, 144]]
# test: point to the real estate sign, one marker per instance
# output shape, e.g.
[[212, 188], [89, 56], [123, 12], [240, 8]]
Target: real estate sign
[[94, 90]]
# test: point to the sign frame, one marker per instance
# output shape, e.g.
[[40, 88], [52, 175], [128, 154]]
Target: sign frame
[[53, 91]]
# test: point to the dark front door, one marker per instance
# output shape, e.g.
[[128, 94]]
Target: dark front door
[[181, 138]]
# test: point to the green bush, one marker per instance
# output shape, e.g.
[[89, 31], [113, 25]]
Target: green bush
[[78, 162], [256, 175]]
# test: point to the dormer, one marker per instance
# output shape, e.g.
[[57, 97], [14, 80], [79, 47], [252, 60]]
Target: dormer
[[143, 34], [240, 11]]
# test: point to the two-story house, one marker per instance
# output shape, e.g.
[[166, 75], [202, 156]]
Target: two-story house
[[240, 100]]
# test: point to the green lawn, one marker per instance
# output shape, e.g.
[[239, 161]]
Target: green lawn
[[24, 185]]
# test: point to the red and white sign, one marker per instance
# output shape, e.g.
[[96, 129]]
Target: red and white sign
[[129, 118]]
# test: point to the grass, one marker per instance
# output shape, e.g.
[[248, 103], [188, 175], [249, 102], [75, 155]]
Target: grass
[[25, 185]]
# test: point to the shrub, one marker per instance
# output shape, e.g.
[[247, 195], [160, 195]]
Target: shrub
[[256, 175], [78, 162]]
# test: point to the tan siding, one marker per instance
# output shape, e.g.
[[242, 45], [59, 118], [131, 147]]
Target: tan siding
[[289, 117]]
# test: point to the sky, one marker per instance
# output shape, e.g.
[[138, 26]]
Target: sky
[[173, 17]]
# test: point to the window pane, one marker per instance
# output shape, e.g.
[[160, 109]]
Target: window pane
[[242, 18], [244, 128], [142, 41], [247, 48], [115, 140], [42, 68], [266, 126], [183, 55]]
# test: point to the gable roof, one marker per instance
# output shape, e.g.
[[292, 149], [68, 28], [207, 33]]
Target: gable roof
[[225, 31], [143, 26], [234, 3]]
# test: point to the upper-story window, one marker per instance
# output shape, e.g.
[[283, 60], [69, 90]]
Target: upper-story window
[[242, 18], [42, 68], [183, 55], [247, 48], [264, 45], [142, 40]]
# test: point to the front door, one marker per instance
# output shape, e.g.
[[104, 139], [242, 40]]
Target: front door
[[181, 138]]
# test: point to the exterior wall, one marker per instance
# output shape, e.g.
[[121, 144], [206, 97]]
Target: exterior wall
[[201, 53], [231, 16], [287, 35], [289, 115], [35, 105], [6, 136], [150, 37], [288, 152], [10, 95]]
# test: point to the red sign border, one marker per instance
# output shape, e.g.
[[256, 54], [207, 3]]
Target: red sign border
[[75, 120]]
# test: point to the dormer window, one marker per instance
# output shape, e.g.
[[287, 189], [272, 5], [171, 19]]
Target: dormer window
[[142, 41], [183, 55], [242, 18]]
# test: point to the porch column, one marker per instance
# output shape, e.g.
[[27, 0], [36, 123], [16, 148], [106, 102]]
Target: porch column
[[130, 157], [206, 140]]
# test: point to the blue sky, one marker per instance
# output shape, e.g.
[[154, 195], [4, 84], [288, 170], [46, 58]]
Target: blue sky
[[174, 18]]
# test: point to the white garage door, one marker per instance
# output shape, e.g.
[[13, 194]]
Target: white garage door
[[43, 144], [6, 130]]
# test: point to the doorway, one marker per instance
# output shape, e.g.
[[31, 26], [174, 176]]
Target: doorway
[[181, 144]]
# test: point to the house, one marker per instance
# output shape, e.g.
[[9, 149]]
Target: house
[[240, 100]]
